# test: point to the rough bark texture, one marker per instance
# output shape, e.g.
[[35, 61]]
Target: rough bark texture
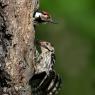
[[16, 46]]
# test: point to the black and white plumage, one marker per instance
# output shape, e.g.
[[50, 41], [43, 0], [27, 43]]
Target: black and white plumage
[[42, 17], [45, 80]]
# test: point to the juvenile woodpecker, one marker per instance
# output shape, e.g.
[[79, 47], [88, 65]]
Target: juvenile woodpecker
[[45, 80], [42, 17], [46, 57]]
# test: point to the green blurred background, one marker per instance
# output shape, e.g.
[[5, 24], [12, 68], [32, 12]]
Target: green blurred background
[[74, 41]]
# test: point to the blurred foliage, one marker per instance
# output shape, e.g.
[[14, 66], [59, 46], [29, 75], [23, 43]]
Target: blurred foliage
[[74, 41]]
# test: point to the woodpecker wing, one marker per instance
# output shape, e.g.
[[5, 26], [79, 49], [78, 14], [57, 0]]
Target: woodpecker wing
[[43, 84]]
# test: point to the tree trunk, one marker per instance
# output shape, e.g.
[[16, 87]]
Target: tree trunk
[[17, 36]]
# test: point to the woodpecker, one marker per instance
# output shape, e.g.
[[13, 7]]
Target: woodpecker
[[42, 17], [46, 59], [45, 80]]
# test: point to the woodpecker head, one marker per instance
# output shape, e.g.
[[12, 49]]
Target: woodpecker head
[[43, 17], [46, 46], [46, 15]]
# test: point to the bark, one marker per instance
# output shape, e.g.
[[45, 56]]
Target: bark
[[17, 36]]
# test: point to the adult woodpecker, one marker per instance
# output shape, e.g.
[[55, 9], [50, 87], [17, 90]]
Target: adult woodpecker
[[42, 17]]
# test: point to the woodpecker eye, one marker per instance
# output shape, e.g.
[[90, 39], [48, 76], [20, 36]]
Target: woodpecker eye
[[47, 43]]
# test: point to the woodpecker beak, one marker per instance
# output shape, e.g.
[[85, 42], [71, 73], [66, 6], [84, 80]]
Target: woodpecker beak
[[52, 21]]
